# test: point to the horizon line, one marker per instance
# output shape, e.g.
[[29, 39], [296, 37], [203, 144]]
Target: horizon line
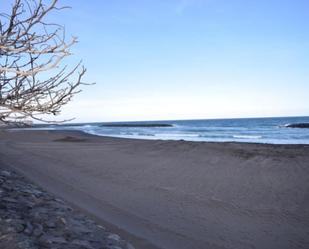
[[171, 120]]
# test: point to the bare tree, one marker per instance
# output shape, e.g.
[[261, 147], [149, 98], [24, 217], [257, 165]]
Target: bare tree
[[33, 81]]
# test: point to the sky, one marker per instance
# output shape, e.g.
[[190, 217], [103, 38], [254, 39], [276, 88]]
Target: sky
[[189, 59]]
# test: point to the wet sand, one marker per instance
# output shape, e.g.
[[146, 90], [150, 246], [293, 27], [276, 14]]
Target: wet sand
[[173, 194]]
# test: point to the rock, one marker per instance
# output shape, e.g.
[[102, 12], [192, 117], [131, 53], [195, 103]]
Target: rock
[[58, 200], [29, 228], [129, 246], [148, 125], [82, 243], [52, 239], [101, 227], [63, 220], [31, 191], [114, 247], [58, 240], [19, 226], [8, 199], [81, 229], [50, 224], [2, 206], [25, 244], [31, 218], [7, 187], [38, 230], [41, 210], [5, 173], [114, 237], [298, 125]]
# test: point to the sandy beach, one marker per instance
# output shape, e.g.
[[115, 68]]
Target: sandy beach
[[173, 194]]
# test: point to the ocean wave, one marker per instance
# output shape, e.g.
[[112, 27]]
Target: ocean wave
[[283, 125], [175, 135], [145, 134], [135, 134], [87, 126], [247, 136]]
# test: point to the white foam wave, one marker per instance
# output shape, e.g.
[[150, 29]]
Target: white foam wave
[[176, 135], [283, 126], [247, 136]]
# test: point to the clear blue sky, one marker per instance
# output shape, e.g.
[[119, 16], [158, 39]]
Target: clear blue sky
[[186, 59]]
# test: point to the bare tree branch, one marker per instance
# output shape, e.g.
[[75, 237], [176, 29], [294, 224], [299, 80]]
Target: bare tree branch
[[31, 49]]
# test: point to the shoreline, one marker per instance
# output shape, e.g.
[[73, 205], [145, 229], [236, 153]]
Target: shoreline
[[84, 133], [159, 190], [261, 130]]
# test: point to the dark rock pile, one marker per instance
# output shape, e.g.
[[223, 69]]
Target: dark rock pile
[[299, 125], [133, 125], [31, 218]]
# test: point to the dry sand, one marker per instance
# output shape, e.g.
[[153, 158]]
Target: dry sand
[[174, 194]]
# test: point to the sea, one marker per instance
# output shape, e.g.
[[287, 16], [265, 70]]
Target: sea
[[253, 130]]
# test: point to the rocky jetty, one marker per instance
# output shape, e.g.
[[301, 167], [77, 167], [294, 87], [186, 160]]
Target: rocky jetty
[[31, 218], [136, 125], [298, 125]]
